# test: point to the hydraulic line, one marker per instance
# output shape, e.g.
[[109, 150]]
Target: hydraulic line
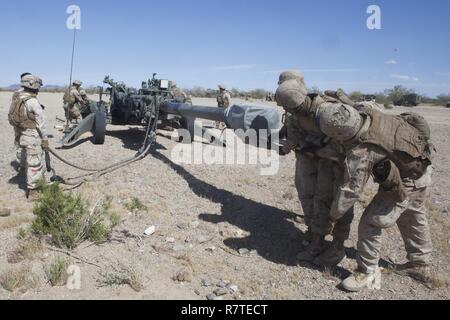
[[149, 140]]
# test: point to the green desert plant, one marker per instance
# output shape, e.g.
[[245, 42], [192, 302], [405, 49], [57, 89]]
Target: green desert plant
[[122, 275], [68, 221], [56, 272], [135, 205], [19, 279]]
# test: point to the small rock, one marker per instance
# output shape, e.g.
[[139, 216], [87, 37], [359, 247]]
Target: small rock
[[178, 248], [243, 251], [234, 288], [183, 275], [222, 284], [218, 298], [170, 240], [211, 296], [211, 249], [194, 224], [197, 292], [5, 212], [202, 239], [220, 292], [288, 196], [205, 283], [182, 226], [150, 230]]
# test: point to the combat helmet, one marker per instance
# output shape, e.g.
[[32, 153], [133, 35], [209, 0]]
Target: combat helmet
[[31, 82], [77, 83], [339, 121], [291, 95], [291, 75]]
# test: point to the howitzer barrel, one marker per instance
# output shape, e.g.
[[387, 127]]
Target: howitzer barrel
[[190, 111], [235, 117]]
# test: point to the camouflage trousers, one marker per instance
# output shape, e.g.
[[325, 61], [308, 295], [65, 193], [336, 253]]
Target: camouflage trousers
[[316, 182], [306, 170], [220, 125], [33, 158], [71, 112], [329, 176], [410, 217], [20, 152]]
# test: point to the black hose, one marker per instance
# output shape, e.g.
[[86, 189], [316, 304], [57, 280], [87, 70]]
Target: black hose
[[97, 173]]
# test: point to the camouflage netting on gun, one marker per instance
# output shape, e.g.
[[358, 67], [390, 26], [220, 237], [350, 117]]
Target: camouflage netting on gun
[[252, 117]]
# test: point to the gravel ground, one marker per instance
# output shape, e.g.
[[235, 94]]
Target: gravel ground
[[229, 231]]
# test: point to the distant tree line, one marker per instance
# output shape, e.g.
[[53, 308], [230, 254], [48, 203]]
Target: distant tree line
[[387, 97], [201, 92]]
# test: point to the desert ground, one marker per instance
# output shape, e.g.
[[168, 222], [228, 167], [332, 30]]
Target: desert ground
[[230, 229]]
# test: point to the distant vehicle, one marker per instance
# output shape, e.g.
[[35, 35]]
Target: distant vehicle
[[368, 98], [409, 100]]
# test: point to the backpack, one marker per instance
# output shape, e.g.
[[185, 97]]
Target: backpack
[[418, 122], [18, 115]]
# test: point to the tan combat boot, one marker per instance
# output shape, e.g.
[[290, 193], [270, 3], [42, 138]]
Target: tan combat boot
[[332, 256], [359, 281], [313, 250], [418, 272]]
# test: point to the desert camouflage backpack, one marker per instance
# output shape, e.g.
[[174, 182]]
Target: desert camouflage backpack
[[18, 115]]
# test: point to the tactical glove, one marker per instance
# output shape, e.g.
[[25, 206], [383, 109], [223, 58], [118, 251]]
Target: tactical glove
[[45, 145]]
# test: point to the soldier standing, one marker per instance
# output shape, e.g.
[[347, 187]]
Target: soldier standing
[[26, 114], [19, 156], [72, 100], [223, 101], [179, 94]]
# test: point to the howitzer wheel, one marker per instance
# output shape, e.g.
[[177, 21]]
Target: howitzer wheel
[[99, 129]]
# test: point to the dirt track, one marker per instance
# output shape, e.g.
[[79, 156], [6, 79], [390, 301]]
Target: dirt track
[[210, 212]]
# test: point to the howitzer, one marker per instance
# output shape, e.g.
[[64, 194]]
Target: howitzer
[[155, 101]]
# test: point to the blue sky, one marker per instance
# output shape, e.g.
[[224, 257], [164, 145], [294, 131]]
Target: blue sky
[[244, 44]]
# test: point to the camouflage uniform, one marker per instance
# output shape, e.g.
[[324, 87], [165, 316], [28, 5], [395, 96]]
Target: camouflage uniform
[[317, 171], [30, 135], [72, 100], [317, 167], [20, 154], [223, 101], [396, 150], [180, 95]]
